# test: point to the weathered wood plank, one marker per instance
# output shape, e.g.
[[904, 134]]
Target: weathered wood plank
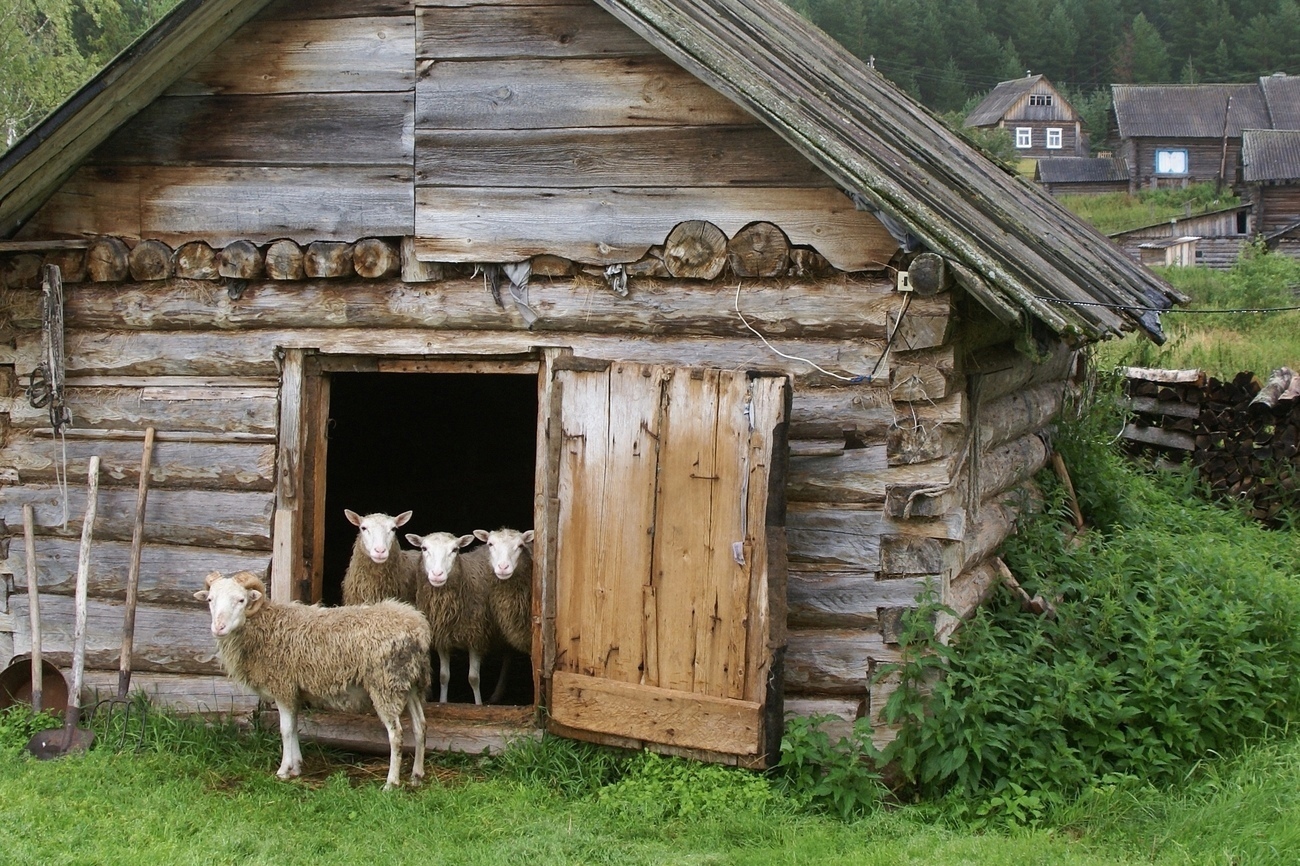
[[366, 733], [169, 574], [212, 466], [175, 204], [841, 307], [241, 411], [168, 639], [205, 695], [619, 224], [866, 413], [835, 661], [514, 31], [252, 353], [310, 55], [193, 517], [849, 536], [560, 93], [847, 599], [1003, 370], [1025, 411], [296, 10], [1159, 437], [672, 156], [292, 129], [660, 715], [857, 475]]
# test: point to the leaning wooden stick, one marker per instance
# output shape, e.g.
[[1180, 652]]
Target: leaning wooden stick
[[133, 572], [34, 607]]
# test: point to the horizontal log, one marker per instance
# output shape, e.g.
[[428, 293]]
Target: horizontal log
[[845, 600], [1171, 408], [1162, 438], [670, 156], [185, 695], [967, 592], [289, 130], [309, 56], [989, 527], [252, 353], [865, 412], [919, 383], [1165, 377], [169, 574], [1025, 411], [176, 640], [835, 661], [174, 203], [903, 555], [843, 711], [36, 457], [1003, 370], [186, 517], [849, 536], [918, 439], [856, 475], [816, 447], [609, 225], [1011, 464], [366, 734], [563, 92], [503, 31], [842, 307], [241, 411]]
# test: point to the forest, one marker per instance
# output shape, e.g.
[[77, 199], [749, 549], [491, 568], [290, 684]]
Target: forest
[[947, 53]]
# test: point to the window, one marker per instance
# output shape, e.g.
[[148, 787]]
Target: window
[[1024, 136], [1040, 99], [1171, 161], [1054, 139]]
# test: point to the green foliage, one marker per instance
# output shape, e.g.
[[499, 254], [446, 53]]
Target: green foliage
[[1176, 637], [836, 777], [656, 788], [570, 767], [1119, 211], [18, 724]]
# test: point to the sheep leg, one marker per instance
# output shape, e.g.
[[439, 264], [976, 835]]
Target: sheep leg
[[415, 706], [290, 751], [500, 691], [475, 661], [444, 674], [393, 723]]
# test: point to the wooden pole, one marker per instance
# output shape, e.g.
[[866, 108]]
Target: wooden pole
[[83, 587], [133, 571], [34, 609]]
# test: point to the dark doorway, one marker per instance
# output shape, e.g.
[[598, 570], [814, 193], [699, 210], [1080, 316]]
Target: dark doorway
[[457, 449]]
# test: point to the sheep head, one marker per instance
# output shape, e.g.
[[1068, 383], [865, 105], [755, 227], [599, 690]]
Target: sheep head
[[504, 547], [438, 551], [378, 536], [232, 599]]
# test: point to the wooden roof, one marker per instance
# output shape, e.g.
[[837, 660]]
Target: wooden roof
[[1000, 100], [1270, 155], [1081, 169], [1015, 249], [1188, 110], [1282, 95]]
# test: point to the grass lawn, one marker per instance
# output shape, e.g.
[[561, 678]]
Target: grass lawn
[[194, 796], [1119, 211]]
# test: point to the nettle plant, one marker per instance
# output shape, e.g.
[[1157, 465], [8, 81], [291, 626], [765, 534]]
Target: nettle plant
[[1176, 640]]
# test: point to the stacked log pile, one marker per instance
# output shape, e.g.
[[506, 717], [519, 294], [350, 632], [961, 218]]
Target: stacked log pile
[[1243, 437]]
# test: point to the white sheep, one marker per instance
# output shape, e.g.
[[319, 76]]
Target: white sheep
[[454, 598], [348, 658], [510, 600], [379, 569]]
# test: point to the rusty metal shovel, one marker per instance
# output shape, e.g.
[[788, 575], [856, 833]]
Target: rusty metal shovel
[[54, 743]]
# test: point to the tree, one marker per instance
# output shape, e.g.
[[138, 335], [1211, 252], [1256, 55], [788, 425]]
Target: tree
[[1142, 57], [39, 63]]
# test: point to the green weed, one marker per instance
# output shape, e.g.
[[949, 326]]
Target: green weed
[[1119, 211], [570, 767], [657, 788], [836, 777], [18, 724]]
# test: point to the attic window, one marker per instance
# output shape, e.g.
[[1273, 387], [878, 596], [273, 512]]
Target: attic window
[[1024, 136], [1040, 99]]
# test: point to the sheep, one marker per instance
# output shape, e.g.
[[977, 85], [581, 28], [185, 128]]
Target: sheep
[[348, 658], [379, 569], [510, 599], [454, 598]]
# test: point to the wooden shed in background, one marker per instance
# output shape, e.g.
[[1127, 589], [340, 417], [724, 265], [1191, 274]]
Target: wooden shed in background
[[758, 347]]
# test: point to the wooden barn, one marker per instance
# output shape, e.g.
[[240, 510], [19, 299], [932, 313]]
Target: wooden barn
[[1082, 175], [1271, 173], [760, 350], [1042, 122], [1220, 236]]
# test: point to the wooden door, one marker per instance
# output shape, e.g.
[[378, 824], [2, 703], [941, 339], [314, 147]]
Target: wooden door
[[667, 575]]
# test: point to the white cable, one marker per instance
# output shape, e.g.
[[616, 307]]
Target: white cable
[[746, 323]]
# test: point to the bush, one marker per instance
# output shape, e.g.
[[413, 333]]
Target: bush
[[1177, 635], [834, 777]]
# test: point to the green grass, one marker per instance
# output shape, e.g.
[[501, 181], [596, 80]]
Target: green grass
[[1119, 211], [183, 794]]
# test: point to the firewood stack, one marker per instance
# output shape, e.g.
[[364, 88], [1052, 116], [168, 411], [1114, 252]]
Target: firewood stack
[[1248, 441], [1242, 437]]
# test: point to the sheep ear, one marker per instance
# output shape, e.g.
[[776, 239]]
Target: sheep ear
[[201, 595], [413, 539], [352, 516], [465, 540], [255, 600], [528, 537], [213, 577], [401, 519], [481, 534]]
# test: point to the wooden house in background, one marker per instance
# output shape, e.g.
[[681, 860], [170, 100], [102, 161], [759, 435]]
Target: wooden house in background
[[1271, 174], [1220, 236], [1176, 134], [1069, 175], [1041, 122], [759, 348]]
